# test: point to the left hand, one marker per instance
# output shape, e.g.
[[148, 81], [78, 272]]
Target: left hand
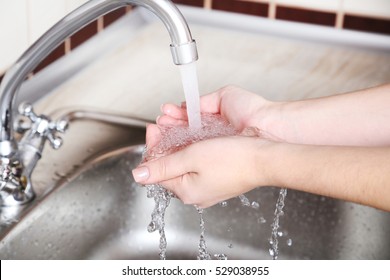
[[208, 172]]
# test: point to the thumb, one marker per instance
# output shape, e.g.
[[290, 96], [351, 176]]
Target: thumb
[[161, 169]]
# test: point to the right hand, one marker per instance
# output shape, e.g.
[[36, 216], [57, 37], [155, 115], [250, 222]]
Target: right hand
[[239, 107]]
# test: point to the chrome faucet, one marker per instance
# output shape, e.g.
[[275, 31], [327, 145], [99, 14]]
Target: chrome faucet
[[19, 158]]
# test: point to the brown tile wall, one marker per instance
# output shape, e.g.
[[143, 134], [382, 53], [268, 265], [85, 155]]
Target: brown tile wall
[[196, 3], [113, 16], [53, 56], [306, 16], [367, 24], [83, 34], [251, 7], [244, 7]]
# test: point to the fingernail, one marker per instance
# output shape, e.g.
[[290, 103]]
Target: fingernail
[[158, 117], [140, 174]]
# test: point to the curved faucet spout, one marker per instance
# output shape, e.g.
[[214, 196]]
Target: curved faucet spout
[[183, 49], [17, 160]]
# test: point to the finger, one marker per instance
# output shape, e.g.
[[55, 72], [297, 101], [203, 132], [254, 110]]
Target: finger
[[153, 135], [161, 169], [210, 103], [174, 185], [174, 111], [185, 189]]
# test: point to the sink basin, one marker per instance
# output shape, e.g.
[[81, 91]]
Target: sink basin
[[99, 212]]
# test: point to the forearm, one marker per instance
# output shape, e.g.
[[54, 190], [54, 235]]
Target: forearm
[[355, 119], [361, 175]]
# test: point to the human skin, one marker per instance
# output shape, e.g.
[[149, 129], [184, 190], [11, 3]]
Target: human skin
[[337, 146]]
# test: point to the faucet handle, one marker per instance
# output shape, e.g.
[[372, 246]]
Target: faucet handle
[[21, 125], [55, 141], [56, 126], [44, 126], [26, 110]]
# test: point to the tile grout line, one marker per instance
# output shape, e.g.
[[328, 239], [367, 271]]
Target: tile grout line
[[272, 9], [340, 15], [208, 4]]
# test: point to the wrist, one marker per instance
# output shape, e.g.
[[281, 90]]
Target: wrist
[[267, 165], [271, 120]]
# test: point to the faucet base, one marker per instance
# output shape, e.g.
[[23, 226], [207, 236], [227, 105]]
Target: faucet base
[[17, 198]]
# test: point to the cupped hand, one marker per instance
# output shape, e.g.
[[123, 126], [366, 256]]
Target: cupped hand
[[210, 171], [214, 170]]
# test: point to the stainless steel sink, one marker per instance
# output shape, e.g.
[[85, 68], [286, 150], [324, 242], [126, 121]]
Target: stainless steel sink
[[88, 206], [99, 212]]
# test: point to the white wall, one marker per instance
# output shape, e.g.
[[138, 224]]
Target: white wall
[[23, 21]]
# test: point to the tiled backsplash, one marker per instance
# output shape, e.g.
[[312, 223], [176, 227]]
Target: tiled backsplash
[[23, 21], [363, 15]]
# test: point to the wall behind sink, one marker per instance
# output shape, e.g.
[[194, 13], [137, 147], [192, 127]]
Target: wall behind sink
[[363, 15], [23, 21]]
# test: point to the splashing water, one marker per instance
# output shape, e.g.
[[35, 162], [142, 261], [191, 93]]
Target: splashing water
[[174, 139], [203, 254], [244, 200], [274, 250], [162, 198], [221, 257]]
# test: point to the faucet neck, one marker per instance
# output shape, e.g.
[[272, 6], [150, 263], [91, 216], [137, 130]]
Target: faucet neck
[[182, 46]]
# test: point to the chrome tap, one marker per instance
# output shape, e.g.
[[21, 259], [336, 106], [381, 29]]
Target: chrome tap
[[18, 159]]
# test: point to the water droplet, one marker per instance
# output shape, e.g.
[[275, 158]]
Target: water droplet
[[289, 242], [275, 224], [261, 220], [223, 203], [230, 245], [152, 227], [280, 234], [255, 205], [271, 252], [244, 200], [221, 257]]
